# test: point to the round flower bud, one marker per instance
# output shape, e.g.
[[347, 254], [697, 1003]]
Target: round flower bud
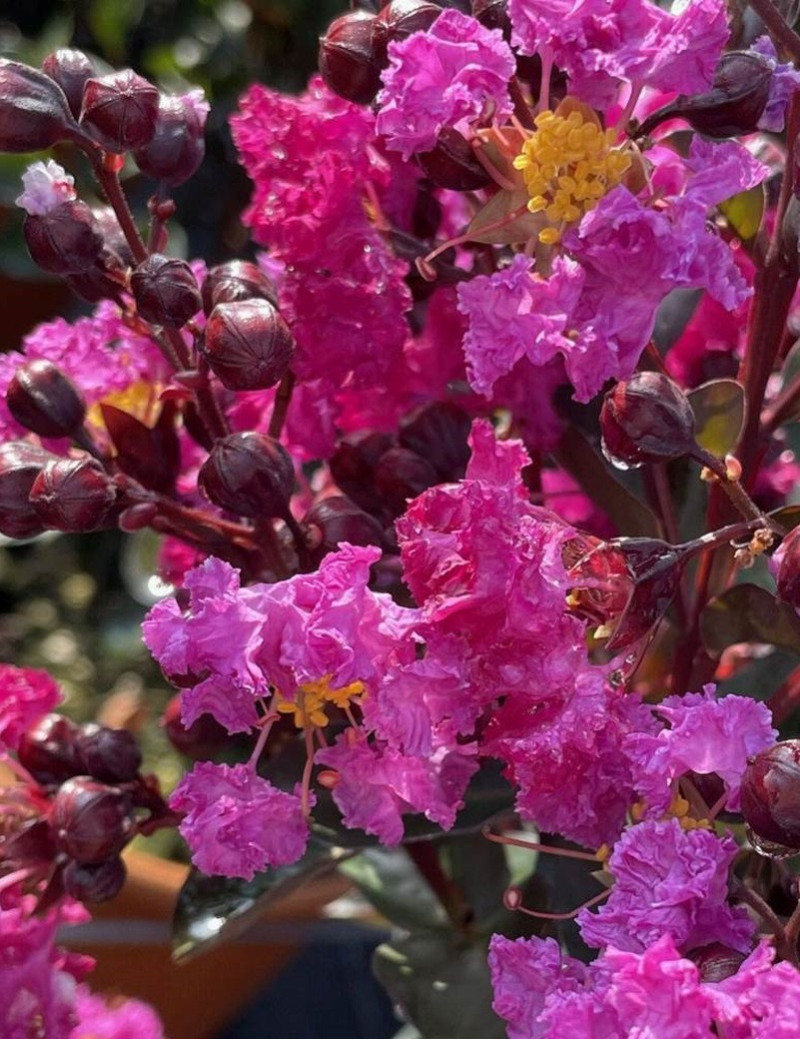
[[111, 755], [178, 145], [716, 961], [402, 475], [452, 163], [337, 520], [20, 465], [34, 113], [73, 495], [347, 58], [165, 290], [235, 281], [787, 562], [439, 433], [120, 110], [44, 400], [399, 19], [202, 740], [94, 883], [248, 345], [48, 749], [249, 474], [353, 464], [646, 419], [493, 14], [771, 798], [92, 821], [70, 69], [65, 240]]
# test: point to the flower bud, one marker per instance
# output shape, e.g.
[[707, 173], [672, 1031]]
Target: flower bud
[[178, 145], [353, 465], [114, 240], [94, 284], [337, 520], [249, 474], [398, 20], [20, 465], [34, 113], [716, 962], [733, 105], [202, 740], [402, 475], [44, 400], [94, 883], [785, 565], [347, 57], [235, 281], [65, 240], [439, 433], [73, 495], [248, 345], [165, 290], [111, 755], [452, 163], [493, 14], [770, 798], [646, 419], [92, 822], [70, 69], [48, 749], [120, 110]]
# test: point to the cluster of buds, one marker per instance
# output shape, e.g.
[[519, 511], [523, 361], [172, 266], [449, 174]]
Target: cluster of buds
[[82, 801]]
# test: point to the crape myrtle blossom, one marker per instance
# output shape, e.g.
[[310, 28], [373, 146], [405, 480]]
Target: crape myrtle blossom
[[46, 185], [542, 992], [451, 75], [25, 695], [785, 81]]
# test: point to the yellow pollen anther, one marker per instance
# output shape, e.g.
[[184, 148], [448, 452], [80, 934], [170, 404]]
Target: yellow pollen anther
[[311, 699], [568, 163]]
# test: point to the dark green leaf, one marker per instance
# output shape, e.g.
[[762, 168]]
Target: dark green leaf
[[495, 223], [719, 410], [216, 909], [749, 614], [390, 880]]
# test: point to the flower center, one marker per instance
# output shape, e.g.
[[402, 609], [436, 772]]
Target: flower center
[[568, 164], [312, 697]]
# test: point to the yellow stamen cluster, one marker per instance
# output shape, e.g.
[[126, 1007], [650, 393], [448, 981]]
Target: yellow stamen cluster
[[568, 164], [308, 707]]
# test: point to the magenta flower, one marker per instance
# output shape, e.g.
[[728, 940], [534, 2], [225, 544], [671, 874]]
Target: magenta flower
[[237, 823], [115, 1019], [448, 76], [668, 880], [761, 1000], [25, 695], [704, 735], [785, 81]]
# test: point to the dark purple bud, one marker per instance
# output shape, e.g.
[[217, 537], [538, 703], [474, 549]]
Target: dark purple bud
[[45, 400], [235, 281], [94, 284], [249, 474], [94, 883], [48, 749], [20, 465], [248, 345], [438, 432], [34, 113], [646, 419], [34, 842], [347, 60], [452, 163], [74, 495], [336, 519], [120, 110], [353, 468], [402, 475], [493, 14], [70, 69], [113, 237], [732, 106], [178, 144], [787, 559], [64, 240], [92, 821], [151, 455], [202, 740], [111, 755], [716, 961], [771, 798], [398, 20], [137, 517], [166, 291]]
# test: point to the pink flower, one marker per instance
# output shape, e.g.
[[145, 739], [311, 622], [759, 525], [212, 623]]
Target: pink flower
[[668, 880], [761, 1000], [47, 185], [785, 81], [25, 695], [236, 823], [704, 735], [117, 1018], [447, 76]]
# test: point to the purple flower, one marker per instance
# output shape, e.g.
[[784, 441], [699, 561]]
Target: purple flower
[[449, 75], [785, 81], [704, 735], [668, 880], [47, 185], [236, 823], [25, 695], [118, 1018], [761, 1000]]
